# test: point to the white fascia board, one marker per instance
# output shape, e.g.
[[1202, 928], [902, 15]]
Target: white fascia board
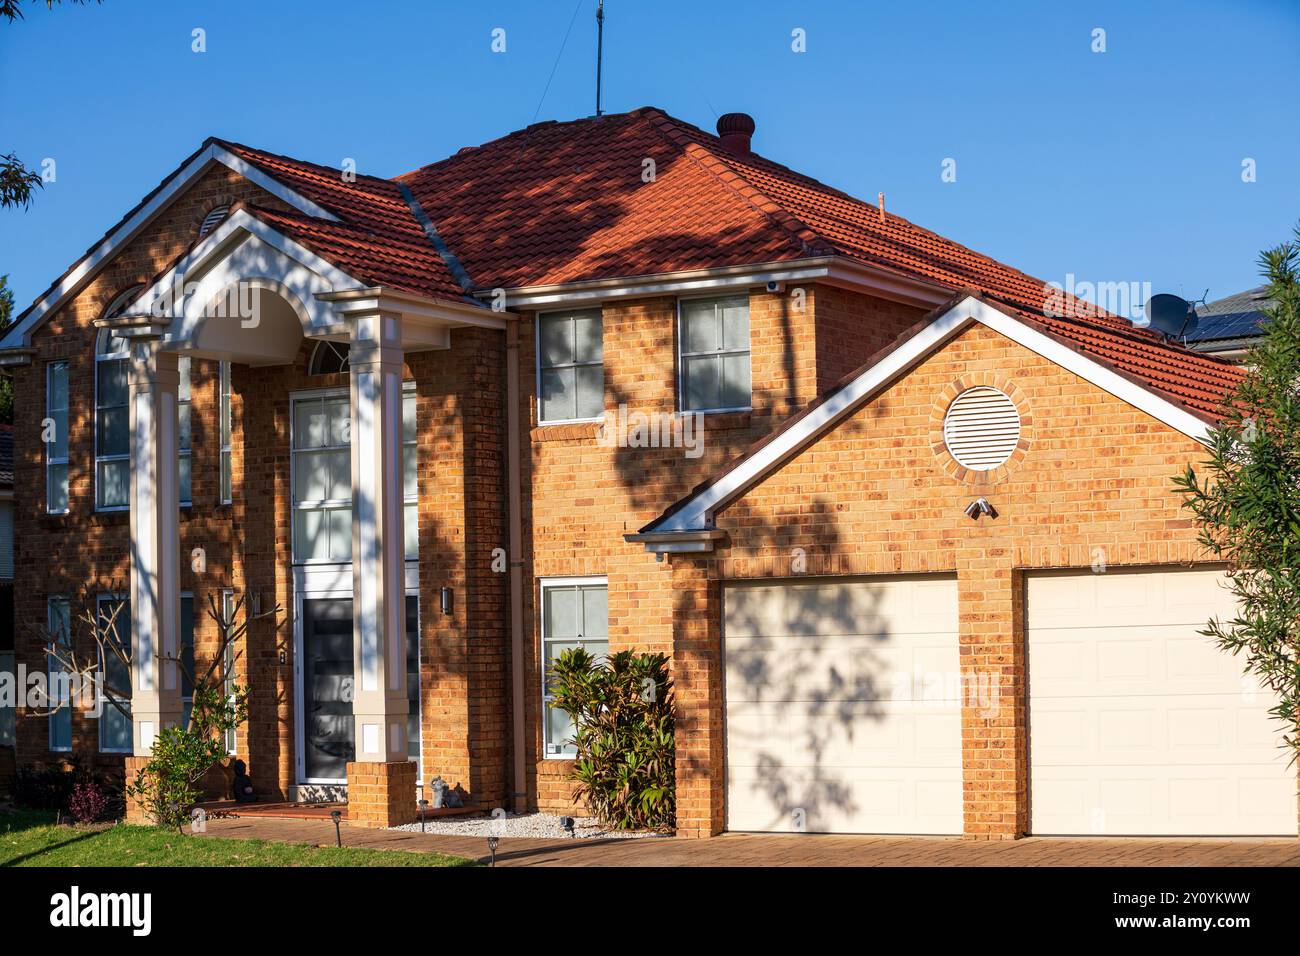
[[219, 244], [367, 301], [697, 514], [699, 281], [90, 264]]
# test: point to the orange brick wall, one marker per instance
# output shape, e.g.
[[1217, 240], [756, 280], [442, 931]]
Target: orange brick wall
[[582, 497], [62, 554], [878, 495]]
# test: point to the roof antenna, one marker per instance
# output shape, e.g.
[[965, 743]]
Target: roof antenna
[[600, 42]]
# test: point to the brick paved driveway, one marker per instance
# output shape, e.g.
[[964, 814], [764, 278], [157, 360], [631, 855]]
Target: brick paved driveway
[[742, 849]]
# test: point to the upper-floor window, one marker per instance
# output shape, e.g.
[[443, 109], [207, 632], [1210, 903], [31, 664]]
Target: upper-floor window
[[226, 477], [112, 422], [183, 428], [56, 437], [713, 357], [322, 477], [328, 358], [570, 366]]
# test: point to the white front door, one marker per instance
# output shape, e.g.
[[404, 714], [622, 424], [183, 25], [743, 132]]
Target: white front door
[[842, 706], [1138, 725]]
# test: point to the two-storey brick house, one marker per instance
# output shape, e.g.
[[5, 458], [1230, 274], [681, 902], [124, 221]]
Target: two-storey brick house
[[624, 383]]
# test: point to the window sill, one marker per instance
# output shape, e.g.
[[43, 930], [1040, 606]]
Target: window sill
[[569, 431]]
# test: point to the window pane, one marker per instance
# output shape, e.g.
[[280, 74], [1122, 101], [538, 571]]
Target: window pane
[[113, 431], [225, 403], [408, 418], [183, 426], [187, 646], [559, 399], [61, 729], [735, 323], [225, 476], [562, 609], [588, 346], [699, 326], [57, 492], [311, 477], [58, 386], [339, 465], [556, 340], [114, 729], [183, 367], [310, 536], [113, 483], [58, 445], [411, 529], [735, 381], [590, 398], [700, 382], [183, 471], [340, 520], [112, 383], [410, 476], [339, 412], [595, 613], [310, 425], [559, 731]]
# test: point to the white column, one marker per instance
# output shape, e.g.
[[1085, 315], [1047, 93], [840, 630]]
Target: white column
[[155, 543], [378, 545]]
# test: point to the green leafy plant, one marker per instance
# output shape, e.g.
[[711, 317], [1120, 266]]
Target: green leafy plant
[[622, 712], [1246, 498]]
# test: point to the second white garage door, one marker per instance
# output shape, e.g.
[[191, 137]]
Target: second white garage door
[[1138, 725], [842, 706]]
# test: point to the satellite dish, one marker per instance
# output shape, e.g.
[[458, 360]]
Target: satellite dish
[[1171, 315]]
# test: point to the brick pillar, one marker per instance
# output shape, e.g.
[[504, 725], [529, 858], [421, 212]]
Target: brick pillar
[[135, 812], [381, 794], [994, 731], [697, 688]]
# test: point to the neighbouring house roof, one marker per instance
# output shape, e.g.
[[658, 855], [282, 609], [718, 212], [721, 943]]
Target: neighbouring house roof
[[6, 456], [561, 203], [1069, 343], [1231, 318]]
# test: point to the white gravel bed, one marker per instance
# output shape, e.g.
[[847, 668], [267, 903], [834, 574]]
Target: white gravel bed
[[543, 826]]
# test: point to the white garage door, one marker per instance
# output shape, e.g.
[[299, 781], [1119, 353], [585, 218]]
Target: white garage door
[[842, 706], [1138, 725]]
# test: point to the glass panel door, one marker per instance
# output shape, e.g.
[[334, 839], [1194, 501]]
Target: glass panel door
[[328, 741]]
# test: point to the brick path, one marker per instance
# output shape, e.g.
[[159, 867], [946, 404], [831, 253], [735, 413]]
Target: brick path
[[741, 849]]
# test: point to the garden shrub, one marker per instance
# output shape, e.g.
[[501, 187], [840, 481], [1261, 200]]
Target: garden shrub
[[622, 711]]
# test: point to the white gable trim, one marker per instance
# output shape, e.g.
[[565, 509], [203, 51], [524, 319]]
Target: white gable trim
[[697, 512], [92, 262]]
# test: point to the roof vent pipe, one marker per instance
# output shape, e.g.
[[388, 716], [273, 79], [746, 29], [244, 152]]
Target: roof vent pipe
[[736, 129]]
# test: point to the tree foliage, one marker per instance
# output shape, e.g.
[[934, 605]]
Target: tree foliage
[[1246, 497], [622, 711]]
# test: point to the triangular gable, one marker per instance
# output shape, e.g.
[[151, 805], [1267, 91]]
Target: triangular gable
[[692, 517], [135, 221]]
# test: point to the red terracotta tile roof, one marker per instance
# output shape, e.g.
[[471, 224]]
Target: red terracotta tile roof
[[378, 240], [565, 202]]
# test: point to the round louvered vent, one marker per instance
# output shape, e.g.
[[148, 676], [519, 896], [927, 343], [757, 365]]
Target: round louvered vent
[[211, 220], [981, 428]]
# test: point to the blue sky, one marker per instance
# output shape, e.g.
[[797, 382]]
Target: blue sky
[[1122, 166]]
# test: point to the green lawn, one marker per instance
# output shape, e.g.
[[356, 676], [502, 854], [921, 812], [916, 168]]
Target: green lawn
[[31, 838]]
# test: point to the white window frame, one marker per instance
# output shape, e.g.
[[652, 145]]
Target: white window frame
[[122, 356], [408, 390], [184, 387], [66, 712], [228, 675], [8, 712], [538, 365], [225, 431], [294, 504], [52, 413], [180, 678], [544, 585], [413, 498], [682, 355], [104, 705]]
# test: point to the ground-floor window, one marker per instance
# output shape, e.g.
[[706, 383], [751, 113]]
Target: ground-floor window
[[7, 710], [59, 622], [115, 723], [187, 658], [575, 613]]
